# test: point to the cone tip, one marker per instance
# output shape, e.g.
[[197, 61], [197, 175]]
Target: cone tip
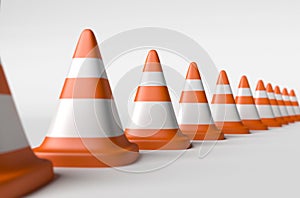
[[193, 72], [292, 92], [223, 79], [87, 46], [244, 82], [285, 92], [152, 63], [269, 87], [260, 86], [277, 90]]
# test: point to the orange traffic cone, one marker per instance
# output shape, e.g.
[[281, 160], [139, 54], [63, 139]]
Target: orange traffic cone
[[264, 107], [86, 131], [295, 104], [274, 104], [282, 107], [154, 124], [224, 109], [246, 107], [195, 119], [288, 104], [21, 171]]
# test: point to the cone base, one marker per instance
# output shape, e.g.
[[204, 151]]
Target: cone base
[[282, 120], [88, 152], [271, 122], [22, 172], [298, 118], [158, 139], [286, 119], [202, 132], [254, 125], [232, 127]]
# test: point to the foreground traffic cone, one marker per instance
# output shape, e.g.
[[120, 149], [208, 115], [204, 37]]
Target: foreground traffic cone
[[288, 104], [246, 107], [224, 109], [274, 104], [295, 104], [86, 131], [281, 104], [264, 107], [195, 118], [154, 124], [21, 171]]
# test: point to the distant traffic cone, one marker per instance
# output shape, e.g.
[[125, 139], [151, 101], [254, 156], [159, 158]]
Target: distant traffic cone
[[246, 107], [281, 104], [86, 131], [154, 124], [21, 172], [224, 109], [274, 104], [195, 119], [288, 104], [295, 104], [264, 107]]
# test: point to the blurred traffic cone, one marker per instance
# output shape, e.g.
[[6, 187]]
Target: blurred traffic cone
[[154, 124], [274, 104], [264, 107], [194, 117], [288, 104], [295, 104], [21, 171], [246, 107], [86, 131], [281, 104], [224, 109]]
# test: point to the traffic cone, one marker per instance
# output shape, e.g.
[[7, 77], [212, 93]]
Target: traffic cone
[[153, 125], [86, 131], [21, 172], [264, 107], [195, 119], [246, 107], [224, 109], [295, 104], [274, 104], [282, 107], [288, 104]]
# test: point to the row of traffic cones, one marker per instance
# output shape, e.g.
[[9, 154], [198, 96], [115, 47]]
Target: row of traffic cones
[[87, 132]]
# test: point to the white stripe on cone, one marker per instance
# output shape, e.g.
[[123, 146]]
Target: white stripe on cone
[[282, 108], [198, 113], [87, 68], [247, 112], [296, 108], [225, 113]]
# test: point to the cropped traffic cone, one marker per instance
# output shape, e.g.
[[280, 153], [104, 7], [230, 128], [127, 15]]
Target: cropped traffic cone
[[21, 172], [86, 131], [295, 104], [263, 106], [274, 104], [153, 125], [288, 104], [246, 107], [224, 109], [195, 119], [281, 104]]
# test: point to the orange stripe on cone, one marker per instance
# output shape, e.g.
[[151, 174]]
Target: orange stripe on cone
[[227, 126], [4, 88], [86, 88], [288, 102], [152, 93], [295, 104], [193, 97]]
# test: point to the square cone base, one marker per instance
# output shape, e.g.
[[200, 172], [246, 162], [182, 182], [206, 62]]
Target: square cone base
[[88, 152], [255, 125], [232, 127], [158, 139], [271, 122], [202, 132], [22, 173]]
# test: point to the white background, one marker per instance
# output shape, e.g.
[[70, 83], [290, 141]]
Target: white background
[[256, 38]]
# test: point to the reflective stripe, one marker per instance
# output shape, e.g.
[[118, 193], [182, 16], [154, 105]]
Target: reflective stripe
[[261, 94], [193, 85], [153, 115], [86, 118], [12, 136], [244, 92], [194, 113], [223, 89], [225, 112], [87, 68], [153, 79], [265, 111], [248, 112]]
